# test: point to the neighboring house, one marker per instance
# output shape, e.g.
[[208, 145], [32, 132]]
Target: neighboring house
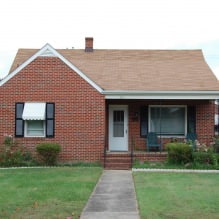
[[89, 99]]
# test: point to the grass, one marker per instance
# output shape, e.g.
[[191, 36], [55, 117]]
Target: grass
[[166, 165], [47, 192], [177, 195]]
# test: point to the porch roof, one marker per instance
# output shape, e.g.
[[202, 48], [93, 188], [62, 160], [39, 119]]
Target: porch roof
[[139, 70]]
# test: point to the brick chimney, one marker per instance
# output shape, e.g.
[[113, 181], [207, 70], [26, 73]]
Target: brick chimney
[[89, 44]]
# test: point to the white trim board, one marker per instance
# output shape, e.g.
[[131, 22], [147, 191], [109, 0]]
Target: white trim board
[[159, 95], [48, 50], [174, 170]]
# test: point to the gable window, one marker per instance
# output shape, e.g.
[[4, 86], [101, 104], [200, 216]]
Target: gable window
[[168, 120]]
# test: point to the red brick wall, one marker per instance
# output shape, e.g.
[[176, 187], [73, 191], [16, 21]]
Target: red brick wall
[[79, 108], [204, 119], [205, 113]]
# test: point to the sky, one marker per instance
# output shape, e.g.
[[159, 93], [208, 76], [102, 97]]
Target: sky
[[114, 24]]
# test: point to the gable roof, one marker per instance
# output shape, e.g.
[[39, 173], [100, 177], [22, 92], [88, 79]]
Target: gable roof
[[138, 70], [47, 50]]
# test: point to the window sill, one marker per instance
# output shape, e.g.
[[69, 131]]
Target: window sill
[[34, 136], [171, 136]]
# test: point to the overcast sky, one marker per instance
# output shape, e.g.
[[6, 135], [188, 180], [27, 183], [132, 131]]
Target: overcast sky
[[116, 24]]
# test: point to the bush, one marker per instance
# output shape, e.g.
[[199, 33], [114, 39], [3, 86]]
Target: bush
[[17, 158], [207, 158], [179, 153], [49, 152], [13, 155], [216, 144]]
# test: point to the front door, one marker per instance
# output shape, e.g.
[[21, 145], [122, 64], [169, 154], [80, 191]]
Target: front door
[[118, 128]]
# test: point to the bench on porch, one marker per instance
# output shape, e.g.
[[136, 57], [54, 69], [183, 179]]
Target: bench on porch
[[153, 141]]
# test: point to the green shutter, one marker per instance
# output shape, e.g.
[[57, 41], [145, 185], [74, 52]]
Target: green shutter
[[19, 122], [191, 119], [143, 121], [50, 120]]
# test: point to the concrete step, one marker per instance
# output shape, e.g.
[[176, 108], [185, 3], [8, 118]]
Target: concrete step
[[118, 155], [118, 160], [118, 166]]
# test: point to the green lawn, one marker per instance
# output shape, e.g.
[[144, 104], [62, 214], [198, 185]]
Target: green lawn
[[46, 193], [177, 195]]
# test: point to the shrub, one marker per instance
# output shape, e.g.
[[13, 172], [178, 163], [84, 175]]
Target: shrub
[[13, 154], [201, 147], [48, 152], [207, 158], [179, 153], [216, 144], [8, 141], [17, 158]]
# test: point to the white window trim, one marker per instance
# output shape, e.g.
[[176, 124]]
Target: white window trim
[[168, 136], [32, 136]]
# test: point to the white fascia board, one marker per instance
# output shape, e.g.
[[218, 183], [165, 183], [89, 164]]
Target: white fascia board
[[42, 52], [182, 95]]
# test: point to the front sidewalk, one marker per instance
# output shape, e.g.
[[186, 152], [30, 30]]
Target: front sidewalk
[[113, 197]]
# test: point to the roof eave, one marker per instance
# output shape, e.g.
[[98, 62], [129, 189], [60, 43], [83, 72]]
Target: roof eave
[[193, 95]]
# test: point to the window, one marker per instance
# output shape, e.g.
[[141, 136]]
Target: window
[[168, 120], [34, 116], [35, 119], [35, 128]]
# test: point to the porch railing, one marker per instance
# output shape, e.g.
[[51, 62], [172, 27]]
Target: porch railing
[[104, 153], [132, 151]]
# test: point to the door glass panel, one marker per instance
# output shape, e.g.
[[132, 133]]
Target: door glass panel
[[118, 123]]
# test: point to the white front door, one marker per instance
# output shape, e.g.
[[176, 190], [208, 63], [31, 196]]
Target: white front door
[[118, 128]]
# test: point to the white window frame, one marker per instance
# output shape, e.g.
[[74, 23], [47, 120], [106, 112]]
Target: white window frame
[[168, 136], [32, 136]]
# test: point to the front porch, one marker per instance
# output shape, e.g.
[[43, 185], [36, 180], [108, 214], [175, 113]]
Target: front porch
[[129, 122]]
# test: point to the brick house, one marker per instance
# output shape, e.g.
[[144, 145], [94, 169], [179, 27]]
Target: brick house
[[91, 100]]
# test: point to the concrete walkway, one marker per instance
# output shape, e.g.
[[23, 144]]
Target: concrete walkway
[[114, 197]]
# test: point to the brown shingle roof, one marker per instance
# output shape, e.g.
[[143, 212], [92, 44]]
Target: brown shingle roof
[[139, 69]]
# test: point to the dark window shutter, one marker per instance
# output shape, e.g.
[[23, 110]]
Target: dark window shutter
[[50, 120], [191, 119], [19, 122], [143, 121]]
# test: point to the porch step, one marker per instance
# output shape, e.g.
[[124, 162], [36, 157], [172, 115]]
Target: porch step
[[117, 166], [121, 161], [118, 161]]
